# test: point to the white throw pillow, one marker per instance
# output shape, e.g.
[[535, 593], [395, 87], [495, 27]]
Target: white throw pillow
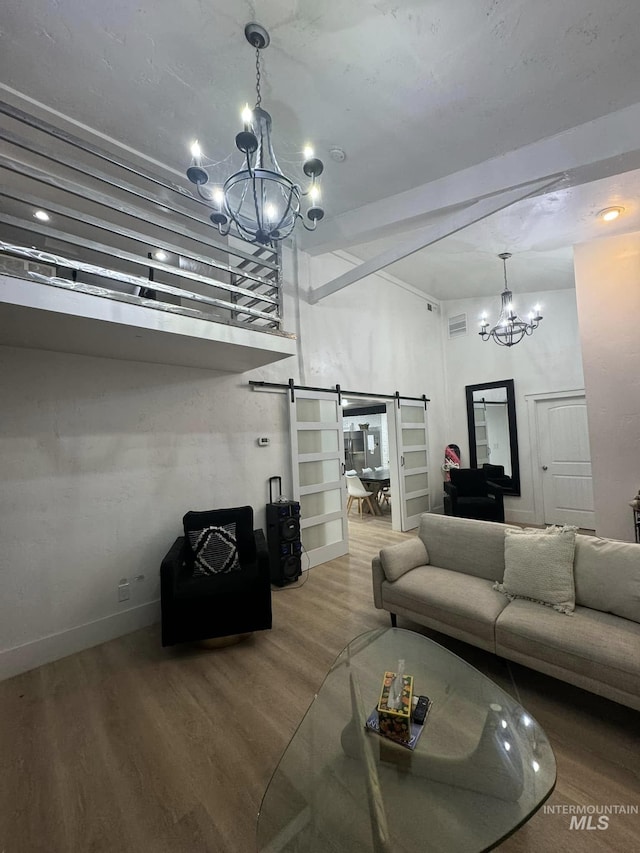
[[538, 565]]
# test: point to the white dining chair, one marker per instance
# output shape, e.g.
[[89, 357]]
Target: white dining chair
[[357, 492]]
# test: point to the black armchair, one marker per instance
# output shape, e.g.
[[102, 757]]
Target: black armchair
[[471, 495], [495, 474], [215, 580]]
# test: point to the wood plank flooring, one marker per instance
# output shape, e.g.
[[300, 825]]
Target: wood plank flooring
[[131, 747]]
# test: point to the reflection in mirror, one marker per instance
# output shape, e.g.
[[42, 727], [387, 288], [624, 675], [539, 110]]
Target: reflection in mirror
[[493, 437]]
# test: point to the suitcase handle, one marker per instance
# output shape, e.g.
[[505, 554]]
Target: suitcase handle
[[271, 481]]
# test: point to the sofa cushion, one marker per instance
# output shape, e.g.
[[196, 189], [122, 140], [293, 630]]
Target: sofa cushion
[[538, 565], [596, 645], [607, 576], [464, 602], [464, 545], [402, 557]]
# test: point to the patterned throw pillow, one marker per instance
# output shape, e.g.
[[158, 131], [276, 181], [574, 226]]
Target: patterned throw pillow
[[215, 550]]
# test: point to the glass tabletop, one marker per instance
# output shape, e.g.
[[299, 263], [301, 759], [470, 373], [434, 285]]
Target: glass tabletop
[[481, 767]]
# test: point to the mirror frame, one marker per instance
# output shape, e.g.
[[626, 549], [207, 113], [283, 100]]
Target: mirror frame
[[513, 430]]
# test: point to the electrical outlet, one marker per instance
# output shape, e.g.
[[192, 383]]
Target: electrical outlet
[[123, 590]]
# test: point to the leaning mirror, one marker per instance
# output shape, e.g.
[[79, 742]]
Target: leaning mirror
[[493, 436]]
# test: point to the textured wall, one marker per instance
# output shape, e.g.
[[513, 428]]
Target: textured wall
[[101, 458], [608, 293]]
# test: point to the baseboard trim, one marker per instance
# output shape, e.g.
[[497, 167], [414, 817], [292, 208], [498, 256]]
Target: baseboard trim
[[519, 516], [46, 649]]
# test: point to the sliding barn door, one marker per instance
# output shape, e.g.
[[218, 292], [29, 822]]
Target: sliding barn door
[[317, 448], [412, 463]]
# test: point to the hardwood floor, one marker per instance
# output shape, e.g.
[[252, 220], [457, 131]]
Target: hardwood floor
[[131, 747]]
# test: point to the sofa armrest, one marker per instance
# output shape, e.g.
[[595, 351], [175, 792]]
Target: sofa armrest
[[171, 566], [496, 490], [451, 498], [399, 559], [378, 577], [262, 555]]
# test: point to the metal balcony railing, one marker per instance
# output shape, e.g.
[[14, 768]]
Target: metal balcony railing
[[118, 230]]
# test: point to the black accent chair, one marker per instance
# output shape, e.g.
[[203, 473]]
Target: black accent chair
[[471, 495], [495, 474], [234, 601]]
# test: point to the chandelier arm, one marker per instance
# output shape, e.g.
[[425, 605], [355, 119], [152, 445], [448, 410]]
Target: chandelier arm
[[287, 209], [254, 190], [209, 200], [307, 227]]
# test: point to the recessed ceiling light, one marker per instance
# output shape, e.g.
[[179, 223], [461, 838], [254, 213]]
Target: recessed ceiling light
[[42, 215], [610, 213], [161, 255]]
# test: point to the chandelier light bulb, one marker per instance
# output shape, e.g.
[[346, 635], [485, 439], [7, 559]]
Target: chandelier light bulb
[[314, 193], [196, 151], [270, 212], [308, 152], [247, 116], [218, 196]]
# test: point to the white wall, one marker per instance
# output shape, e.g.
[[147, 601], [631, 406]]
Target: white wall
[[101, 458], [608, 292], [549, 360]]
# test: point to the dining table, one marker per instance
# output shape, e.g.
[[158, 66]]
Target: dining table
[[375, 482]]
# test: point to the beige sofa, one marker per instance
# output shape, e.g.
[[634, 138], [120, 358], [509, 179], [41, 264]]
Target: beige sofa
[[444, 579]]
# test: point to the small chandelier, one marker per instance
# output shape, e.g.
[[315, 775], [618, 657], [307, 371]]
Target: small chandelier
[[510, 329], [258, 202]]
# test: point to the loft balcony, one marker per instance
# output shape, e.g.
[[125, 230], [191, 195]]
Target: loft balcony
[[125, 266]]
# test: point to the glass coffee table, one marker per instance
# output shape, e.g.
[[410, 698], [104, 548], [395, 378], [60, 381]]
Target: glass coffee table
[[481, 767]]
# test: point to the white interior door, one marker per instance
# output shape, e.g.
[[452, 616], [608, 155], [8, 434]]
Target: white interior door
[[410, 486], [317, 451], [565, 461]]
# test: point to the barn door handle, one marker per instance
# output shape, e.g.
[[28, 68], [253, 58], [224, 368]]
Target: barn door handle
[[402, 461], [544, 467]]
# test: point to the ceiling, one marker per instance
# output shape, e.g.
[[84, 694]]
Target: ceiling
[[413, 91]]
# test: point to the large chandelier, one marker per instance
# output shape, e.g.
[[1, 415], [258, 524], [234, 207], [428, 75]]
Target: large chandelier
[[509, 329], [258, 202]]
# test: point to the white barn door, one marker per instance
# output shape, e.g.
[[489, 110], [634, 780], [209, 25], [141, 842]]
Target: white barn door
[[317, 451], [408, 431]]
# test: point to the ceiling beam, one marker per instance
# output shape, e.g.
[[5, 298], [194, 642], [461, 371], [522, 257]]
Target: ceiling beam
[[598, 149], [446, 226]]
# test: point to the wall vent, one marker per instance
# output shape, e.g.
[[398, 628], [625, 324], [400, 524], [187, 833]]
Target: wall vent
[[457, 325]]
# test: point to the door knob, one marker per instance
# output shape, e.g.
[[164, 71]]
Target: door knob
[[544, 467]]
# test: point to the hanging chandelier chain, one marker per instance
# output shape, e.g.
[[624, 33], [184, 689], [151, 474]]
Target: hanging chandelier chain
[[258, 78], [504, 263]]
